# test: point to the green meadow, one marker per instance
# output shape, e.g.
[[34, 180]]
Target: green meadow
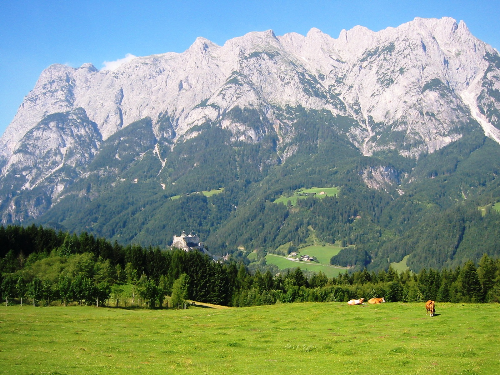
[[282, 263], [300, 338], [305, 193], [323, 253], [400, 266], [206, 193], [209, 193]]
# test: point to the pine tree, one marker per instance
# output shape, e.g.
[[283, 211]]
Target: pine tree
[[469, 284], [486, 272], [443, 294]]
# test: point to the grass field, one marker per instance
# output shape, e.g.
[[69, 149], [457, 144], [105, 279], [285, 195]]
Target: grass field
[[323, 253], [400, 266], [209, 193], [304, 193], [206, 193], [283, 263], [302, 338]]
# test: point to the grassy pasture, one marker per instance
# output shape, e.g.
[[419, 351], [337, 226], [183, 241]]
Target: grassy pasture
[[209, 193], [304, 193], [484, 209], [305, 338], [206, 193], [322, 253], [400, 266], [283, 263]]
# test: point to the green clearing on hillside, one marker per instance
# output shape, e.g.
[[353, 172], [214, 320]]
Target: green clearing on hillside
[[400, 266], [209, 193], [206, 193], [301, 338], [252, 256], [305, 193], [323, 253], [283, 263]]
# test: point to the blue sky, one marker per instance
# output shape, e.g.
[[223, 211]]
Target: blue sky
[[37, 33]]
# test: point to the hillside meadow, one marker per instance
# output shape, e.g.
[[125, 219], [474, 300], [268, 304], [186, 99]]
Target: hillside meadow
[[322, 252], [306, 193], [299, 338]]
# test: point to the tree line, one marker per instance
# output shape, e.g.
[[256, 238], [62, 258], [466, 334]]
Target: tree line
[[46, 266], [469, 283]]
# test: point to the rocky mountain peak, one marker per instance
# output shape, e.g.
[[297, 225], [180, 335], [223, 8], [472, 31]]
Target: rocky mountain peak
[[410, 88], [88, 67]]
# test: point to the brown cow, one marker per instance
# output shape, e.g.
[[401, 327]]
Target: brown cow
[[374, 301], [430, 307]]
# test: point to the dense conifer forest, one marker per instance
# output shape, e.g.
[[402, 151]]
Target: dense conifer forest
[[44, 267], [437, 211]]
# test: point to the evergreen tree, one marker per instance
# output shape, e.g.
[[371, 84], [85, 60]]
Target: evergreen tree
[[443, 294], [268, 281], [318, 280], [394, 292], [221, 291], [469, 284], [486, 272]]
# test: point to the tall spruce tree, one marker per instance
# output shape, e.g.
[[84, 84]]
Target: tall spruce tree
[[469, 284]]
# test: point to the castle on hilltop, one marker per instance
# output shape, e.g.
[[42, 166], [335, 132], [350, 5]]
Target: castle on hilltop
[[188, 242], [191, 242]]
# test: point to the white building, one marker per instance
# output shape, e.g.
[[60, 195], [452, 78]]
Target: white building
[[188, 242]]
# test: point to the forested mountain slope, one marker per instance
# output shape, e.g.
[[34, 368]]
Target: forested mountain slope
[[403, 122]]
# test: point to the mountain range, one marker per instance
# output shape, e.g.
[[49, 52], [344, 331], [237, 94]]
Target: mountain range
[[404, 123]]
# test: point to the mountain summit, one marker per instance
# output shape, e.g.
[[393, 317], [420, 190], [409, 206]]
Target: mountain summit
[[237, 111], [419, 80]]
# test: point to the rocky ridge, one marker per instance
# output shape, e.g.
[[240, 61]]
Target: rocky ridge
[[414, 89], [375, 77]]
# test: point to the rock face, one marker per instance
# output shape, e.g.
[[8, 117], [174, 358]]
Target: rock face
[[413, 89]]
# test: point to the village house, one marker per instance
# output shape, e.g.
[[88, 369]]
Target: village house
[[307, 258]]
